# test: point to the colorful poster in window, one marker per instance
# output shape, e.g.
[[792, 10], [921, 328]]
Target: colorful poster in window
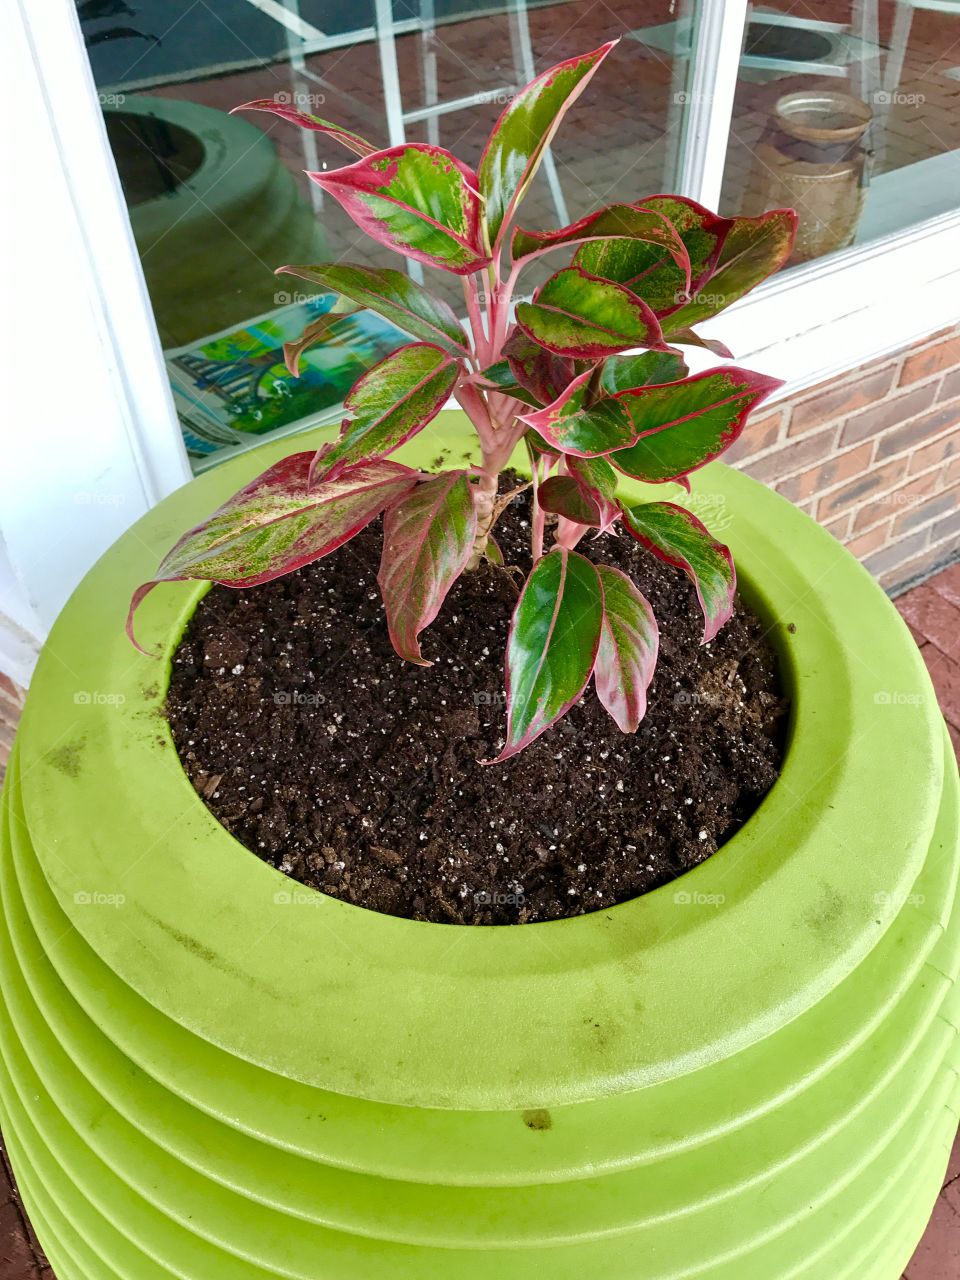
[[232, 389]]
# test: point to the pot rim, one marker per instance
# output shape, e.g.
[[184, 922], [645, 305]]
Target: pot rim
[[413, 1013]]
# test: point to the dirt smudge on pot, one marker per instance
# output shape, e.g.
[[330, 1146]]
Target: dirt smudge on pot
[[68, 758], [538, 1120]]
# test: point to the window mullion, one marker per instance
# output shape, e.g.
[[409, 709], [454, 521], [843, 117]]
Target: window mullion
[[714, 62]]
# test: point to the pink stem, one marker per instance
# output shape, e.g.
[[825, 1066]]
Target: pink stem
[[569, 532], [480, 339], [537, 521], [475, 407]]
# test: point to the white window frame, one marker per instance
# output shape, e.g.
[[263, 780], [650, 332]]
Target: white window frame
[[842, 311]]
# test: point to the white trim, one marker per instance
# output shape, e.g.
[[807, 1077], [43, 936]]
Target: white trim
[[714, 64], [832, 315], [92, 439], [63, 74]]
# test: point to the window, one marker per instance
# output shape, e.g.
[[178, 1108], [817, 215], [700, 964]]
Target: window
[[836, 108], [216, 201], [847, 108]]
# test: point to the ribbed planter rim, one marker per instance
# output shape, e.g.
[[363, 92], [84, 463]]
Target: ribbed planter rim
[[489, 1018]]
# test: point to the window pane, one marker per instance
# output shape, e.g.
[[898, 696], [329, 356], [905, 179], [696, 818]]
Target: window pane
[[850, 112], [217, 201]]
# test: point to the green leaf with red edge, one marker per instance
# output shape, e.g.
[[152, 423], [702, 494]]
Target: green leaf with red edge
[[554, 637], [499, 377], [627, 656], [542, 373], [390, 403], [352, 141], [416, 199], [316, 331], [631, 223], [623, 373], [584, 494], [579, 315], [393, 295], [684, 425], [524, 131], [649, 271], [280, 522], [687, 338], [576, 423], [677, 537], [428, 539], [595, 472], [752, 250]]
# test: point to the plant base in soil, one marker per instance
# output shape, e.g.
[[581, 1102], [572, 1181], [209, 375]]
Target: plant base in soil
[[357, 774]]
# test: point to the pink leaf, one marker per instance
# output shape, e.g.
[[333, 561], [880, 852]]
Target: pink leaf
[[416, 199], [278, 523], [352, 141], [675, 536], [630, 223], [627, 657], [428, 538], [524, 131]]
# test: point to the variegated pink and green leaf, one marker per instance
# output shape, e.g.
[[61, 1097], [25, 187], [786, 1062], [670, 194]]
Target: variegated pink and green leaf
[[627, 655], [316, 331], [542, 373], [352, 141], [585, 493], [393, 295], [629, 223], [646, 269], [577, 423], [752, 250], [428, 538], [554, 637], [500, 377], [677, 537], [417, 199], [623, 373], [688, 338], [681, 426], [579, 315], [280, 522], [390, 403], [524, 131]]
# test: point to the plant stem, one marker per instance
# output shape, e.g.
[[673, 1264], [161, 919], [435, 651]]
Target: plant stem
[[569, 532], [477, 410], [537, 522], [480, 340]]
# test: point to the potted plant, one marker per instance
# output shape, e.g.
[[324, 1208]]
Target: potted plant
[[210, 1069]]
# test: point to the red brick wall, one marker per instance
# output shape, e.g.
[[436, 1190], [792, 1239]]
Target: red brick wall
[[874, 455]]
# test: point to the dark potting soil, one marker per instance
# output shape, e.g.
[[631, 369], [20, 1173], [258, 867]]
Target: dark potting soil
[[358, 774]]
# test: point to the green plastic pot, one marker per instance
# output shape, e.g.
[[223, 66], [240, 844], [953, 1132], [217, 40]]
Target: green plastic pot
[[208, 1071]]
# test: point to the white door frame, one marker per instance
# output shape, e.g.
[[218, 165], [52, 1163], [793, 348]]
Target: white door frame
[[91, 439]]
